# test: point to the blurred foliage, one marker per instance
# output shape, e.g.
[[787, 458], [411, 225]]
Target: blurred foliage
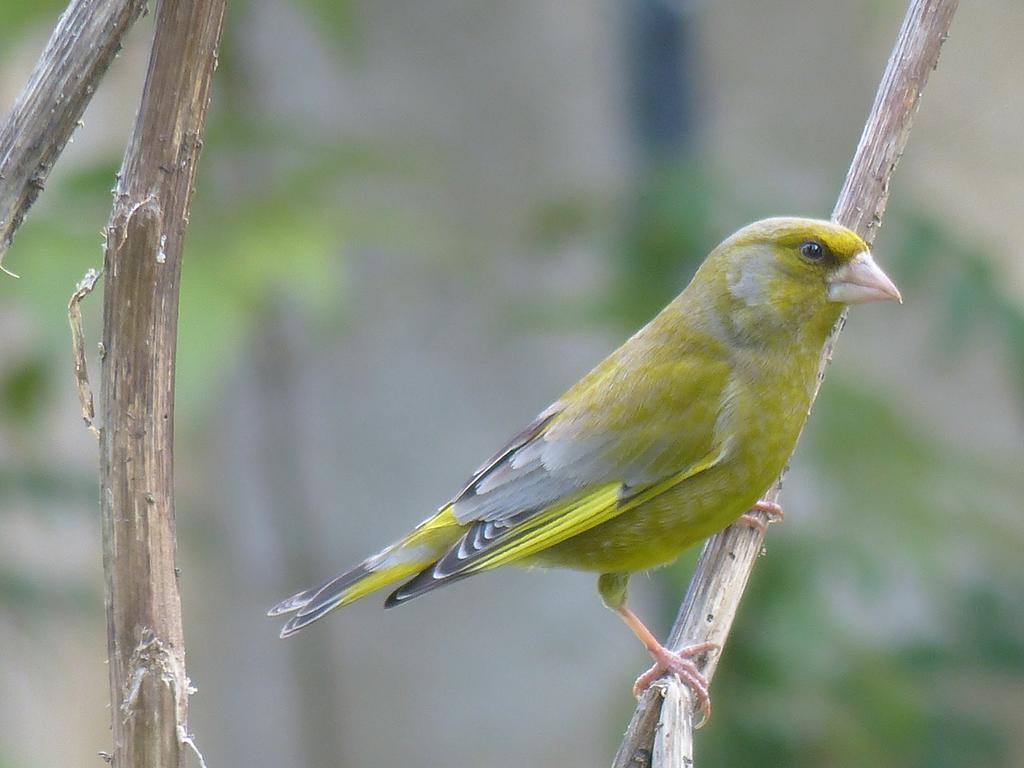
[[32, 597], [667, 228], [20, 16], [243, 248], [668, 232], [974, 304], [44, 485], [25, 390], [339, 19]]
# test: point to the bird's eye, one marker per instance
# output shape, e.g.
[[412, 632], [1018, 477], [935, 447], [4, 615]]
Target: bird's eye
[[812, 250]]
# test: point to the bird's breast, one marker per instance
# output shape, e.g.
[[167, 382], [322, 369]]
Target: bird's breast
[[772, 394]]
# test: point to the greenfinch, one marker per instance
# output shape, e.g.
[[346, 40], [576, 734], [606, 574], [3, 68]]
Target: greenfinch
[[674, 436]]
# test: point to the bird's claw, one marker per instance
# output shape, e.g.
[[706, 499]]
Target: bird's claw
[[770, 509], [681, 665]]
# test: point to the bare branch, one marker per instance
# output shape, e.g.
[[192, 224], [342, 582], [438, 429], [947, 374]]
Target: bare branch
[[727, 561], [87, 37], [83, 289], [148, 685], [673, 737]]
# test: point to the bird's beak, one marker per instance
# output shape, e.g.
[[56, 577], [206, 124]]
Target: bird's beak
[[861, 280]]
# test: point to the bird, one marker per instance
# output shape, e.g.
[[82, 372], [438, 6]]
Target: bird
[[674, 436]]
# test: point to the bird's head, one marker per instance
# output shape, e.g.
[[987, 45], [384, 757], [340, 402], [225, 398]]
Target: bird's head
[[795, 272]]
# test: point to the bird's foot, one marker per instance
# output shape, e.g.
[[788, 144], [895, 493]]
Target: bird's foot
[[770, 509], [681, 665]]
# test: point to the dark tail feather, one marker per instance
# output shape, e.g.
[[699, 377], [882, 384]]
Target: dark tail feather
[[302, 599], [419, 550], [426, 580], [314, 603], [296, 601]]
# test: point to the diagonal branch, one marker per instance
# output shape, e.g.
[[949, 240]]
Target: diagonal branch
[[84, 42], [727, 561]]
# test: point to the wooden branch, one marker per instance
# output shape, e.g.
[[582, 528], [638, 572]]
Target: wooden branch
[[673, 737], [87, 37], [148, 686], [727, 561]]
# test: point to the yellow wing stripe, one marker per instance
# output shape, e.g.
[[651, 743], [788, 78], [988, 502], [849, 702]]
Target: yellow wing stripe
[[434, 535], [552, 527], [379, 579], [564, 521]]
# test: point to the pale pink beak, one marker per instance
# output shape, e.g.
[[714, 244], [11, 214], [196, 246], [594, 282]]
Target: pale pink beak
[[861, 280]]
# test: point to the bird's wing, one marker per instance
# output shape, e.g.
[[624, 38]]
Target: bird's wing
[[624, 434], [629, 422]]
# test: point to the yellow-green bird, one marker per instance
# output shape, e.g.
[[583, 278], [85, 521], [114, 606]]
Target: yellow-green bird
[[671, 438]]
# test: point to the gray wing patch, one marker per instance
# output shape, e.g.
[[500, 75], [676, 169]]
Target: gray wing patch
[[532, 489], [549, 468], [543, 464], [528, 435], [515, 480]]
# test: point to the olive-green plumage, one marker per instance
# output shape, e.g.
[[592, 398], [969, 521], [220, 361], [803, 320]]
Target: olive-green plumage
[[669, 439]]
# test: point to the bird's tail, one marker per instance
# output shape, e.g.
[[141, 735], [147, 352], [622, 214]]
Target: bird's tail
[[421, 548]]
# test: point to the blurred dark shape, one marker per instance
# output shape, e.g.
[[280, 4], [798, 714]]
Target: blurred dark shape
[[661, 65]]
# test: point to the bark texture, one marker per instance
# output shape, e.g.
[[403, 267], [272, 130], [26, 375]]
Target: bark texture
[[148, 685]]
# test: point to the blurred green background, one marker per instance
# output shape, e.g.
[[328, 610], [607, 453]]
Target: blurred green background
[[416, 223]]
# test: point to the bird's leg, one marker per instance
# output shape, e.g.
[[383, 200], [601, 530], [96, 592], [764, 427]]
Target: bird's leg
[[770, 508], [678, 663]]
